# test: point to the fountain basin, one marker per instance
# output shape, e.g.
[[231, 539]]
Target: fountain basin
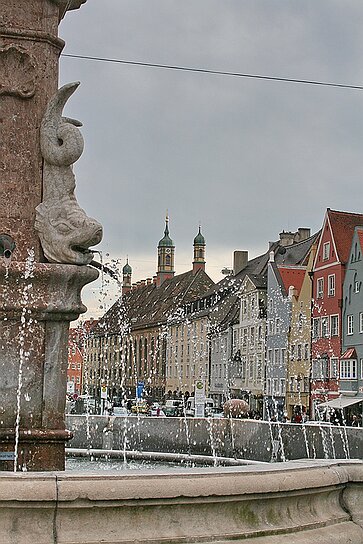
[[297, 502], [233, 438]]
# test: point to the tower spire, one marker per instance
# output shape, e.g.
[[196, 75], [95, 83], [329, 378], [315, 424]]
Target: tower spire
[[126, 277], [166, 251], [199, 251]]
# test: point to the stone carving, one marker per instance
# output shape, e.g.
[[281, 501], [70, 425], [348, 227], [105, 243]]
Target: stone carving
[[65, 230], [17, 71], [66, 5]]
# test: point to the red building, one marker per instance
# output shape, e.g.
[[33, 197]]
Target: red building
[[76, 343], [328, 277]]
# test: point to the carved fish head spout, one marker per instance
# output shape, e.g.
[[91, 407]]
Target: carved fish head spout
[[66, 232]]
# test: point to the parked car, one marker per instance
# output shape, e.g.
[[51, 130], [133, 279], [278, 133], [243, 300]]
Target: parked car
[[140, 407], [208, 407], [120, 411], [174, 407], [156, 410]]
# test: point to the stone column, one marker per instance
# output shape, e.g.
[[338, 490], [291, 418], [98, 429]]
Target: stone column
[[38, 299]]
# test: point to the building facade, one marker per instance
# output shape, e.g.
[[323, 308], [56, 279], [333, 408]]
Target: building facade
[[328, 277], [299, 359], [129, 351], [351, 363]]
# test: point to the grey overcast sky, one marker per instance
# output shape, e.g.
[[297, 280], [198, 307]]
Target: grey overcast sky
[[246, 158]]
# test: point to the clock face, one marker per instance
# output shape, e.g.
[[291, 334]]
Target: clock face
[[167, 250]]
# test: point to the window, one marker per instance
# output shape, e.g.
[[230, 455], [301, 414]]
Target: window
[[331, 285], [350, 323], [324, 327], [320, 369], [270, 326], [348, 369], [277, 326], [283, 356], [306, 384], [276, 386], [320, 287], [283, 386], [361, 322], [306, 352], [277, 357], [252, 335], [269, 386], [299, 352], [356, 286], [292, 351], [334, 325], [326, 251], [334, 368], [316, 327], [251, 369]]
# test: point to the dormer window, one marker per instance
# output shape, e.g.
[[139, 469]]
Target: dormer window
[[326, 251]]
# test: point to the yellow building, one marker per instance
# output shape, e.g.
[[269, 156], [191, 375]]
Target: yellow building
[[129, 346], [299, 356], [187, 354]]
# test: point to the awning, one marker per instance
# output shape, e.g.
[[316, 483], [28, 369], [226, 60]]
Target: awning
[[349, 354], [340, 402]]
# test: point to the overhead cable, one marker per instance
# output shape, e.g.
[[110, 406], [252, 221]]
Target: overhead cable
[[216, 72]]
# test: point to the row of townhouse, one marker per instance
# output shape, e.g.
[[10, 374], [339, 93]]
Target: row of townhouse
[[283, 331], [298, 340], [168, 332]]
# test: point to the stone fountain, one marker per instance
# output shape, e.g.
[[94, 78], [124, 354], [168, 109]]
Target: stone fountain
[[44, 252], [46, 233]]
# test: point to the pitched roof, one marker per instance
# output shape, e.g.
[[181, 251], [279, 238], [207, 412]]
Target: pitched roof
[[292, 276], [360, 237], [258, 280], [342, 226], [149, 305]]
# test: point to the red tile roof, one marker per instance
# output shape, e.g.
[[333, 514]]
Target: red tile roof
[[360, 237], [292, 276], [342, 225]]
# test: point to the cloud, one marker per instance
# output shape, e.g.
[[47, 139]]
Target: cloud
[[247, 158]]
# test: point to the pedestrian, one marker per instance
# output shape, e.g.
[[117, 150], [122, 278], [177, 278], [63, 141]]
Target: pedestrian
[[355, 421]]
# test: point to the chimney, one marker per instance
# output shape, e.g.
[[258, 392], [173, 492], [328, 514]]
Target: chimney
[[240, 260], [286, 238], [302, 234]]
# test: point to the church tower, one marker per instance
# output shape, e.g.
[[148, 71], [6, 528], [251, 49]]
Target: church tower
[[166, 250], [199, 252], [126, 278]]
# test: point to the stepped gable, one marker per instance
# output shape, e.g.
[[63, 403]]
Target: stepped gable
[[342, 225], [149, 305]]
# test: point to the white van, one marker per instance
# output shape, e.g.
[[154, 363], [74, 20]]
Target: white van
[[190, 407]]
